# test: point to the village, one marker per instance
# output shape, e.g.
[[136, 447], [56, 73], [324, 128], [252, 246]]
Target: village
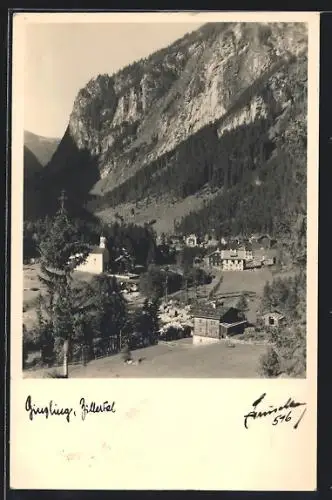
[[222, 309]]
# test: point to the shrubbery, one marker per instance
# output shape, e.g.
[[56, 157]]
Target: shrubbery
[[289, 340], [270, 363]]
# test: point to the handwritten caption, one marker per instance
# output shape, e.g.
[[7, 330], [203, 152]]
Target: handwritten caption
[[278, 413], [52, 409]]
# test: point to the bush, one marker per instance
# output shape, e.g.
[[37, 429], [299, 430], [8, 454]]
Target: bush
[[98, 347], [39, 339], [270, 363], [45, 339], [126, 354], [254, 334]]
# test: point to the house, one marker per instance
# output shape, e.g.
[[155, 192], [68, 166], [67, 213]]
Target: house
[[254, 237], [192, 240], [263, 241], [231, 259], [253, 264], [273, 319], [214, 323], [269, 261], [211, 242], [176, 241], [97, 260]]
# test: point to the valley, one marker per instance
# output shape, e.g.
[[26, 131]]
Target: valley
[[182, 179]]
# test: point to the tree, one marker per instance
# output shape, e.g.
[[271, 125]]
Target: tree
[[153, 311], [44, 337], [152, 282], [186, 257], [242, 304], [266, 302], [151, 257], [61, 249], [270, 363], [109, 307], [146, 321]]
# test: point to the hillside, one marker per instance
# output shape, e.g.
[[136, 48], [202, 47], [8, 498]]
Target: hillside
[[221, 111], [31, 163]]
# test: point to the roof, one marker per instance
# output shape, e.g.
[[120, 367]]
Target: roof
[[264, 236], [275, 314], [254, 263], [229, 325], [209, 312]]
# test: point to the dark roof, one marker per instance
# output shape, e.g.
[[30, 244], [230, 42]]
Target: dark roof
[[98, 250], [209, 312]]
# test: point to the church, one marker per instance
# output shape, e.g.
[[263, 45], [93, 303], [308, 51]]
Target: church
[[97, 260]]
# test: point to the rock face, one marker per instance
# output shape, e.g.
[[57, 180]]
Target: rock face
[[232, 72]]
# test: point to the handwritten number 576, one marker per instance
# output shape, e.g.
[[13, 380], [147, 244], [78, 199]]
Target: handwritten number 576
[[281, 418], [287, 418]]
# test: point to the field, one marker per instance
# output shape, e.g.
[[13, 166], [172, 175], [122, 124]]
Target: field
[[172, 360], [31, 289], [233, 284]]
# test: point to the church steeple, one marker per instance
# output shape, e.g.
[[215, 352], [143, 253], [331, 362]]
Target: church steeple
[[102, 242]]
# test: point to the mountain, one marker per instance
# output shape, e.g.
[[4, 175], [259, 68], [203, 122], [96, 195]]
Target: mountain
[[31, 164], [32, 167], [218, 117], [42, 147]]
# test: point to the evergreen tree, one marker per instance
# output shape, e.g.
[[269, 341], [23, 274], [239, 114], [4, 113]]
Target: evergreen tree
[[242, 304], [61, 250], [266, 302], [146, 321], [109, 306]]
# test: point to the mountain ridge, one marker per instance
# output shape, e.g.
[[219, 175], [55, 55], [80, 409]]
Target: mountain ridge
[[232, 74], [42, 147]]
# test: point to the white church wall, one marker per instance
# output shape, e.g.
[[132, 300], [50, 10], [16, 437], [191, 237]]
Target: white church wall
[[93, 264]]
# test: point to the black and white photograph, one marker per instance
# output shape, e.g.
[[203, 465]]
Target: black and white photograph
[[165, 200], [164, 242]]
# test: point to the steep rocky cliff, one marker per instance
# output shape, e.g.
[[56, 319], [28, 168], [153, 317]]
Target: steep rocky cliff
[[225, 74]]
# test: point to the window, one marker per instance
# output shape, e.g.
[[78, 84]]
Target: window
[[271, 320]]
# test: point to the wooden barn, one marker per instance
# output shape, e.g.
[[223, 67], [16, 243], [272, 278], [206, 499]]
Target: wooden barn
[[214, 323]]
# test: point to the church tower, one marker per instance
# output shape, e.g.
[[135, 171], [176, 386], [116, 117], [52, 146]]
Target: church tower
[[102, 243]]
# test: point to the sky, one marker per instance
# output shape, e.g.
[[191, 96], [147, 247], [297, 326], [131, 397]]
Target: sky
[[60, 59]]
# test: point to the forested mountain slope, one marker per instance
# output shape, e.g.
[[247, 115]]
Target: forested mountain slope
[[223, 108]]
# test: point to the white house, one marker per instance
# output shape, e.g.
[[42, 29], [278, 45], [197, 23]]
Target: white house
[[97, 260], [192, 240]]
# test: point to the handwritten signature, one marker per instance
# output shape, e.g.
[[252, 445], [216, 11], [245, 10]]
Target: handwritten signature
[[52, 409], [283, 413]]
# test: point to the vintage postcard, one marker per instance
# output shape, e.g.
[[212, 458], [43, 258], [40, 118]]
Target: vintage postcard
[[164, 250]]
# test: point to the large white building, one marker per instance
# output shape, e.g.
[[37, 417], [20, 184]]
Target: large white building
[[230, 259], [97, 260]]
